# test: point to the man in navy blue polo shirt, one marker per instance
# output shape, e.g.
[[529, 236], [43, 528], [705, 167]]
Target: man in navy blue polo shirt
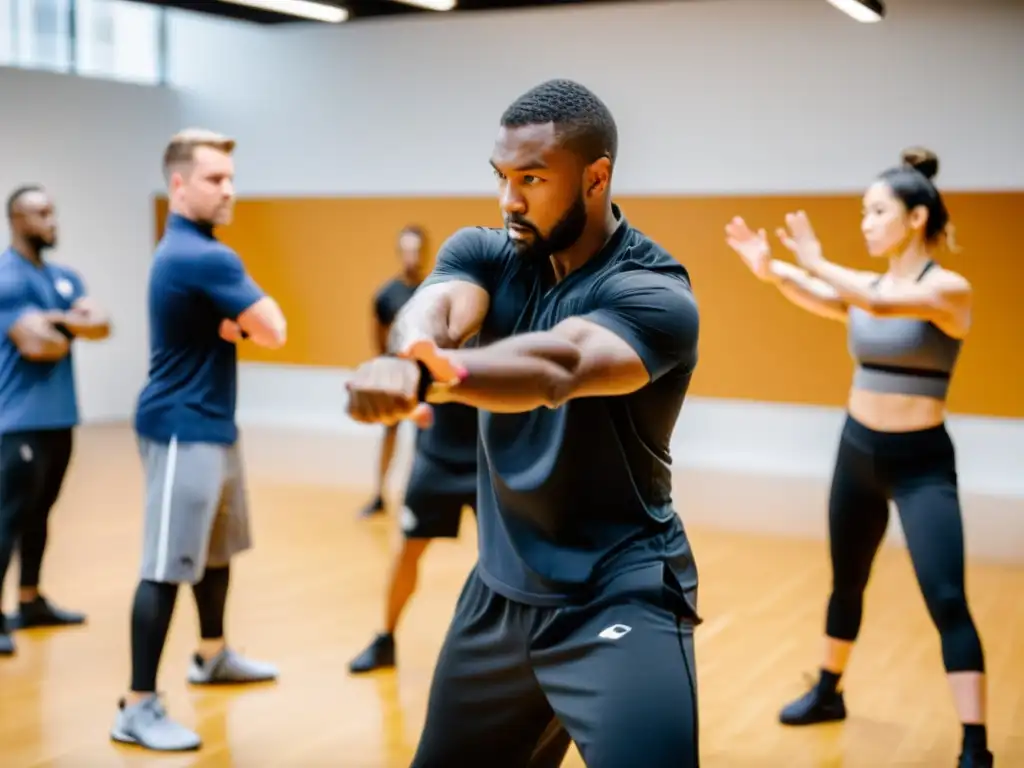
[[201, 304], [577, 621], [43, 309]]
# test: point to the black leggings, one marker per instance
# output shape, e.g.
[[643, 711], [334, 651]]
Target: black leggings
[[917, 470], [32, 469]]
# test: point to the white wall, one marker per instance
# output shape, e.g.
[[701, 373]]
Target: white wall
[[715, 96], [729, 96], [96, 146]]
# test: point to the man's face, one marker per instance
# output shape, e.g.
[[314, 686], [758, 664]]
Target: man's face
[[206, 187], [410, 250], [541, 189], [35, 219]]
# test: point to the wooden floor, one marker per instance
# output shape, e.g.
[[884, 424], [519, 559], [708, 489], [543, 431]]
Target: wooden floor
[[309, 597]]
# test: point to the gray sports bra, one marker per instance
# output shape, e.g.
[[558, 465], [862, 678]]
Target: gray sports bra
[[901, 356]]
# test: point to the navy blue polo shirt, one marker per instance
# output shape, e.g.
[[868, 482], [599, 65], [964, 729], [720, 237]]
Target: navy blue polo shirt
[[571, 496], [194, 283], [35, 395]]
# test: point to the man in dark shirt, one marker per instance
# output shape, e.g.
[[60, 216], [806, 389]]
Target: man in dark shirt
[[44, 307], [441, 484], [578, 620], [386, 304], [201, 304]]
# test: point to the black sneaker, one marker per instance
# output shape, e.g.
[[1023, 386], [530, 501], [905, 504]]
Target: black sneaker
[[977, 758], [380, 654], [814, 707], [41, 613], [6, 641], [375, 507]]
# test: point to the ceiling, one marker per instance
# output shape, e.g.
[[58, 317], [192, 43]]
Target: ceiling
[[358, 9]]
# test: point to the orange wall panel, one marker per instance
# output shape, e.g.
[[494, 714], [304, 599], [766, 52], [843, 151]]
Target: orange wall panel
[[323, 258]]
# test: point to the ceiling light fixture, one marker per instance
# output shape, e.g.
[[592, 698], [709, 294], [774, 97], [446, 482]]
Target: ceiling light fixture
[[866, 11], [306, 9], [431, 5]]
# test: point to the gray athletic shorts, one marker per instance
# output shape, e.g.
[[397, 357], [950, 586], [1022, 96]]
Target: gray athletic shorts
[[197, 512]]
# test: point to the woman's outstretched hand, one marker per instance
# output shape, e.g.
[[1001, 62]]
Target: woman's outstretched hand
[[752, 247], [798, 236]]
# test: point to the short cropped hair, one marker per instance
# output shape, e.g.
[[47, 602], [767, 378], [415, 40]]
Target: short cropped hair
[[15, 197], [413, 229], [181, 149], [582, 121]]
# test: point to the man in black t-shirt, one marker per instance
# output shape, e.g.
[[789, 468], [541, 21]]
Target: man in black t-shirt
[[391, 297], [441, 484], [577, 621]]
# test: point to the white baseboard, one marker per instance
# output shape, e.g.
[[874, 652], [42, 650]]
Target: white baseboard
[[719, 435]]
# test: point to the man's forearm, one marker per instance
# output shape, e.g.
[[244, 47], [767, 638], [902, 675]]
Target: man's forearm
[[86, 324], [515, 375], [421, 320]]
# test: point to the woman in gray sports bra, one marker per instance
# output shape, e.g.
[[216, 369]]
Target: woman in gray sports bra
[[905, 331]]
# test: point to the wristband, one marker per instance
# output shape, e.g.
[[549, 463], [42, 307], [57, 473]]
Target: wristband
[[64, 331], [426, 382]]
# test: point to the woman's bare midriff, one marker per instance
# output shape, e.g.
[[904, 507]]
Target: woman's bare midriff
[[895, 413]]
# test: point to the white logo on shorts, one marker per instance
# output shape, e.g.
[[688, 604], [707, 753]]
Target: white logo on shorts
[[408, 520], [615, 631], [26, 452]]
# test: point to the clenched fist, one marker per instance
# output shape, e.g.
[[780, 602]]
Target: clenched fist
[[384, 391]]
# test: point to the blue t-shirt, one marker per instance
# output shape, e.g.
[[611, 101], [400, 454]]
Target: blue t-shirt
[[195, 282], [572, 496], [35, 395]]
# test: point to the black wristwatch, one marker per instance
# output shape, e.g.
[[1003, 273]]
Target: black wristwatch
[[426, 380]]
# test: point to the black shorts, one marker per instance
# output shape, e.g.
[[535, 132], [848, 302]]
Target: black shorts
[[514, 683], [435, 496]]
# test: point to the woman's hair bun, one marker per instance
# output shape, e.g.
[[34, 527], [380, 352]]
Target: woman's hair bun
[[922, 160]]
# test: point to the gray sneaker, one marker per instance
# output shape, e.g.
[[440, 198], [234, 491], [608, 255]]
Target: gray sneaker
[[228, 667], [146, 725]]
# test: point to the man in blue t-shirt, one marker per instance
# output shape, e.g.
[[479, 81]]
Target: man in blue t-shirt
[[43, 309], [201, 304], [577, 621]]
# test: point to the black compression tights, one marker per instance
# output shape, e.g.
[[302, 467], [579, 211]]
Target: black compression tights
[[151, 618], [917, 470], [211, 596]]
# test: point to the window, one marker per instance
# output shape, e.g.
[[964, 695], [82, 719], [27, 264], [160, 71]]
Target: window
[[6, 32], [42, 34], [114, 39], [118, 39]]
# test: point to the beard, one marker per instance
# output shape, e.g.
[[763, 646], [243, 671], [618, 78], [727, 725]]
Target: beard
[[40, 244], [563, 235]]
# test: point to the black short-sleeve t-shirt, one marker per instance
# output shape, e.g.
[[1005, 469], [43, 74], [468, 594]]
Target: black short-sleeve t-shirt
[[571, 496], [390, 299]]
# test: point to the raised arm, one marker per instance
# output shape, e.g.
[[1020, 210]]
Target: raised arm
[[450, 305], [222, 277], [86, 319], [944, 299], [796, 284], [29, 328], [646, 325]]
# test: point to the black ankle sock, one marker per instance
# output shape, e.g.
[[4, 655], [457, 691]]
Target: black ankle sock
[[975, 738], [151, 618], [828, 683]]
